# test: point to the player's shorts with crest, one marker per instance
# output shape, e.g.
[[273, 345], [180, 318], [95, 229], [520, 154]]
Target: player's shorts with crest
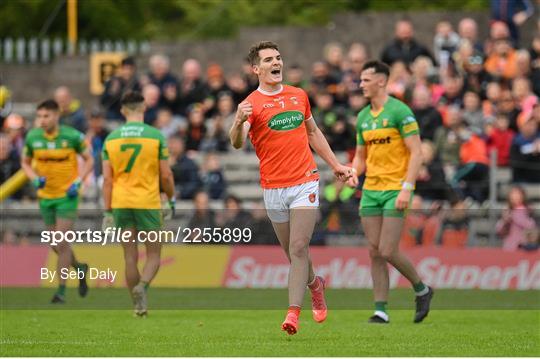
[[64, 207], [380, 203], [139, 219], [278, 201]]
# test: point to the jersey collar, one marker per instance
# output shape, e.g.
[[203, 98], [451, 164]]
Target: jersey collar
[[268, 93]]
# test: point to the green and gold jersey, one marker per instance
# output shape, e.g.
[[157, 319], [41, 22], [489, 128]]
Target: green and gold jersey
[[382, 134], [55, 158], [134, 151]]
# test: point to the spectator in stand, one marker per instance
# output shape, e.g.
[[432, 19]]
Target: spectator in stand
[[399, 80], [445, 42], [321, 80], [497, 30], [151, 102], [249, 76], [356, 59], [262, 230], [471, 179], [161, 76], [431, 182], [333, 56], [295, 77], [428, 117], [404, 47], [502, 62], [324, 112], [523, 95], [9, 162], [508, 106], [468, 31], [196, 128], [185, 171], [525, 153], [95, 136], [203, 216], [193, 89], [168, 124], [513, 13], [234, 216], [500, 138], [126, 80], [453, 92], [447, 142], [216, 85], [239, 88], [458, 61], [472, 113], [534, 51], [493, 96], [356, 103], [71, 110], [339, 208], [15, 128], [212, 177], [523, 63], [517, 222], [423, 75], [476, 77], [219, 125]]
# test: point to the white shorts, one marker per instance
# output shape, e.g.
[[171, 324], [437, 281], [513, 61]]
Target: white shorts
[[278, 201]]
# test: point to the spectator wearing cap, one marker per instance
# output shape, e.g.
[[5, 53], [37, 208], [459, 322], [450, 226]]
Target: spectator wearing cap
[[513, 13], [126, 80], [95, 136], [502, 62], [71, 110], [476, 77], [428, 117], [404, 47], [525, 153], [216, 86], [185, 171]]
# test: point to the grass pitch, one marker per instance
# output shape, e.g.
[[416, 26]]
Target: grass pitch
[[462, 323]]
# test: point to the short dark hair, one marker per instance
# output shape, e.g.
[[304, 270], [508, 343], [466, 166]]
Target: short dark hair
[[128, 61], [379, 67], [132, 98], [253, 56], [49, 105]]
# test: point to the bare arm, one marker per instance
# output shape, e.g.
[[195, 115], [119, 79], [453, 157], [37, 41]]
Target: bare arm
[[107, 184], [414, 145], [88, 165], [166, 179], [240, 127], [26, 165], [318, 142], [359, 160]]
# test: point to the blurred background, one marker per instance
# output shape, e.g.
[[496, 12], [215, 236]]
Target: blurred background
[[469, 69]]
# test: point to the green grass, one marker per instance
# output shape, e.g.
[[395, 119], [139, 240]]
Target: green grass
[[74, 331]]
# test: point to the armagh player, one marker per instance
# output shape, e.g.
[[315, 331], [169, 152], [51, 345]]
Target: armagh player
[[278, 120], [134, 166], [54, 149], [388, 149]]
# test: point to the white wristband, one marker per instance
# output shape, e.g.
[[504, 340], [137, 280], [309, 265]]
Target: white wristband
[[407, 186]]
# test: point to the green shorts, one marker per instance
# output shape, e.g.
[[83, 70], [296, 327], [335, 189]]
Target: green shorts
[[380, 203], [140, 219], [65, 208]]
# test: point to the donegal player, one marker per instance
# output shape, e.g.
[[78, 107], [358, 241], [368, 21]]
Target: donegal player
[[54, 150], [134, 166], [388, 149], [278, 120]]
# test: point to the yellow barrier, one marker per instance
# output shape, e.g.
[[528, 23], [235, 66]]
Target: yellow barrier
[[12, 184]]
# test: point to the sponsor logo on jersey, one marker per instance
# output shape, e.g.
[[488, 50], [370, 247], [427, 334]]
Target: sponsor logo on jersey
[[285, 121], [409, 119], [379, 141], [37, 144], [268, 105], [51, 145]]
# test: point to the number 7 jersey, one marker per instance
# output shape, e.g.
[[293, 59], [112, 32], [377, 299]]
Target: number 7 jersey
[[134, 151]]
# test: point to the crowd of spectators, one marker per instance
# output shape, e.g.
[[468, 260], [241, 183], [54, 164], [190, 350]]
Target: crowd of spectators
[[471, 96]]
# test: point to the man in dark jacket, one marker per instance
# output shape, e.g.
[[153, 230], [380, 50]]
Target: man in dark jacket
[[404, 47]]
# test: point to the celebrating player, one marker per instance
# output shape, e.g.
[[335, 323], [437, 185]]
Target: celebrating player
[[278, 120], [388, 149], [134, 165], [54, 149]]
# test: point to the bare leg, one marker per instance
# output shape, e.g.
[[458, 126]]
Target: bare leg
[[153, 259], [283, 232], [63, 249], [131, 257], [301, 229], [379, 269], [389, 248]]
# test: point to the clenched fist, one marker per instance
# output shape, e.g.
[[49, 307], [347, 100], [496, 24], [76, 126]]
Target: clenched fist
[[245, 109]]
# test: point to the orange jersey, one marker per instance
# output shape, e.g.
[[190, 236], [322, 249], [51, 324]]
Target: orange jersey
[[278, 133]]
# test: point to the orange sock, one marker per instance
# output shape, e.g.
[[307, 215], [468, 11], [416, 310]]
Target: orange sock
[[294, 309]]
